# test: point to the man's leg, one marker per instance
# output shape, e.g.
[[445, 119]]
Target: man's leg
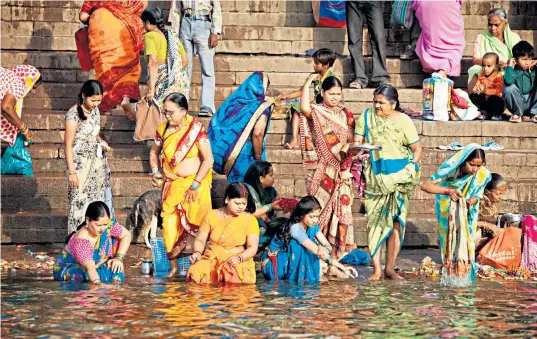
[[375, 23], [513, 100], [355, 24], [185, 35], [206, 55]]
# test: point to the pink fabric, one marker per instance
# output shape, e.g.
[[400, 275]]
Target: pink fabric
[[442, 41], [116, 231], [529, 242], [80, 249]]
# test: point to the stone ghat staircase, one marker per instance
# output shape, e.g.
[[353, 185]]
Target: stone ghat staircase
[[269, 36]]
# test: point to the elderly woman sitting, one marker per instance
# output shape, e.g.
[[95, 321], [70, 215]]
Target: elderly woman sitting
[[497, 38]]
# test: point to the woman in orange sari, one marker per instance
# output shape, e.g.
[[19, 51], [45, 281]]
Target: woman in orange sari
[[186, 160], [115, 41], [233, 233]]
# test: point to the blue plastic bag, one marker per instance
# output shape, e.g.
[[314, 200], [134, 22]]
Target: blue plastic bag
[[17, 159], [332, 14]]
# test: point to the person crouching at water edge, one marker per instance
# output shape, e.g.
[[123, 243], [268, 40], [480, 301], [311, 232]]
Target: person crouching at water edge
[[462, 177], [95, 251], [295, 253], [233, 234], [182, 144], [391, 173]]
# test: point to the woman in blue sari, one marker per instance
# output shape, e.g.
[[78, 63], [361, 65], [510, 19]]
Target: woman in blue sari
[[461, 176], [95, 251], [238, 128], [295, 253]]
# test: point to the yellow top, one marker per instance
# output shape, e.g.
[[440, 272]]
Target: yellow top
[[155, 44]]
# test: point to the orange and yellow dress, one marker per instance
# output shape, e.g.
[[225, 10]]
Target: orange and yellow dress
[[179, 218], [224, 235]]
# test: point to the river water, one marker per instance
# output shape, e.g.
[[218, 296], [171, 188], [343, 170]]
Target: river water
[[34, 306]]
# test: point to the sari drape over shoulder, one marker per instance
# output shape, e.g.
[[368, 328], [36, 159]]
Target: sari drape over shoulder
[[390, 174], [224, 235], [471, 186], [329, 179], [180, 219], [231, 127], [115, 41], [491, 44], [17, 81], [68, 265]]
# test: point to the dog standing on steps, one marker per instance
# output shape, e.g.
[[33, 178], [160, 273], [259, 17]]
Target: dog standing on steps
[[145, 215]]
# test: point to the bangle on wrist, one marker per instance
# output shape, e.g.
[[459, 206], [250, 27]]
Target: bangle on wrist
[[241, 259], [96, 281], [72, 172], [120, 256], [447, 191], [269, 208], [329, 260], [194, 187], [197, 252], [155, 171]]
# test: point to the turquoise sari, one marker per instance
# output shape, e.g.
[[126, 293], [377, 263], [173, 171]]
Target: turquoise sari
[[471, 186], [66, 268], [231, 127], [295, 264]]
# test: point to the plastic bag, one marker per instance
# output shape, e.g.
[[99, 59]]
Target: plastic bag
[[17, 159], [437, 97], [330, 13], [503, 251]]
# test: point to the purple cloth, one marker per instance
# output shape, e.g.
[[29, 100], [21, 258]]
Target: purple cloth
[[358, 174]]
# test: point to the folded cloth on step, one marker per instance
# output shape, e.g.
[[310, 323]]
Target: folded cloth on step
[[356, 257]]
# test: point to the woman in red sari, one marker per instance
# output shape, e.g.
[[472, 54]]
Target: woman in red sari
[[115, 41], [326, 129]]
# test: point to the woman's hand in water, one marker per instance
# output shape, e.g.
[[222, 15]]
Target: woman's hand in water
[[115, 265], [351, 271]]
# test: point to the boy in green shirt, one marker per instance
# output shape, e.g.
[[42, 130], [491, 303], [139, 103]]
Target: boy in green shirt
[[520, 91], [323, 60]]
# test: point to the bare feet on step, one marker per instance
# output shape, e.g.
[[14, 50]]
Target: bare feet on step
[[291, 145], [391, 274], [376, 276]]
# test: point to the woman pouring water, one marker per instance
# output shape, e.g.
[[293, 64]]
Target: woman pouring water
[[391, 173]]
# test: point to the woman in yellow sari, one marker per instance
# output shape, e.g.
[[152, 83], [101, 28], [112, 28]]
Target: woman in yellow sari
[[186, 160], [115, 40], [233, 233]]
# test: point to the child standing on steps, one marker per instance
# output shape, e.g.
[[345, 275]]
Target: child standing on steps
[[323, 60], [520, 91], [487, 92]]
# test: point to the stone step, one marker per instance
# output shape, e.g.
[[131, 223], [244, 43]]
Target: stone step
[[50, 227], [522, 193]]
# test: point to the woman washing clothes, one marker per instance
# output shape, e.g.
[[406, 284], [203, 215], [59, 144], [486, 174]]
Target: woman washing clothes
[[463, 175], [115, 35]]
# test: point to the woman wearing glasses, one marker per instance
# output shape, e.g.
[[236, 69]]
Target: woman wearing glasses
[[185, 154]]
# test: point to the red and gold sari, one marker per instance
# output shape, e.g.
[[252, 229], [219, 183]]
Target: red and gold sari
[[329, 179], [115, 41], [180, 219]]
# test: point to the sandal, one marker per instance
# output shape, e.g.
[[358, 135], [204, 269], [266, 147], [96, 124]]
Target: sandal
[[515, 119], [355, 85], [454, 146], [534, 119], [492, 146]]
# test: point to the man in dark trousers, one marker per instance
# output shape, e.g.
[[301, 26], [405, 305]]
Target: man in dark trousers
[[371, 11]]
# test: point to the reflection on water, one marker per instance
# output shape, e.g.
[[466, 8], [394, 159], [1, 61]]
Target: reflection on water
[[36, 306]]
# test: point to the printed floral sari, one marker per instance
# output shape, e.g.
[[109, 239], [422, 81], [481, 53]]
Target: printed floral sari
[[329, 179], [180, 219]]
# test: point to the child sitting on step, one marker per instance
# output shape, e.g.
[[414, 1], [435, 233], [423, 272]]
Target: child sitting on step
[[520, 91], [487, 92], [323, 60]]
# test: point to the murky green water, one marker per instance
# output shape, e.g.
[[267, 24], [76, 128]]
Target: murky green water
[[35, 306]]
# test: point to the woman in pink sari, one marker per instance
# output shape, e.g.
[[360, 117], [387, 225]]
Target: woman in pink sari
[[441, 42]]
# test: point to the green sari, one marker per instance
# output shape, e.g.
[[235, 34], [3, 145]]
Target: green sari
[[491, 44], [390, 174], [471, 186]]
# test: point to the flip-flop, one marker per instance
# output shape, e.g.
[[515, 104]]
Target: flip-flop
[[287, 146], [516, 119], [492, 146], [534, 119], [428, 117], [454, 146], [355, 85]]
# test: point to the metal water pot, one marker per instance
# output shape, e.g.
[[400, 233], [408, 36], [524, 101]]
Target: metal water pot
[[147, 267]]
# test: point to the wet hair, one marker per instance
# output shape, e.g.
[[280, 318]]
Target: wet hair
[[239, 190], [495, 182], [89, 88], [95, 211], [305, 206], [523, 49], [154, 16], [492, 55], [325, 56], [256, 170], [499, 13], [390, 93], [178, 99]]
